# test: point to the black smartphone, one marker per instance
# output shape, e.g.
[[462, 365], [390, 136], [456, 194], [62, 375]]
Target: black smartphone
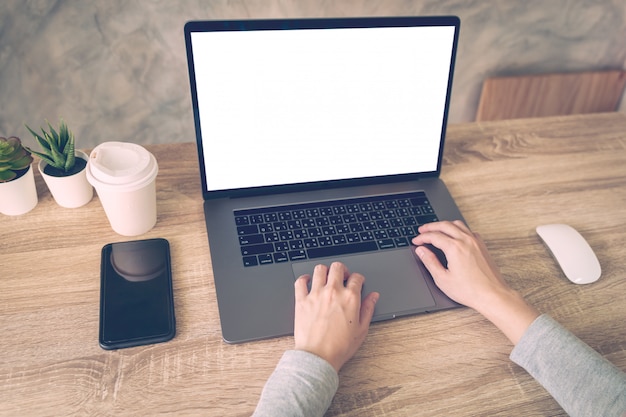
[[136, 295]]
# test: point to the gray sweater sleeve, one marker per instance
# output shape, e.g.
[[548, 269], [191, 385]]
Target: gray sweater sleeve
[[302, 384], [577, 377]]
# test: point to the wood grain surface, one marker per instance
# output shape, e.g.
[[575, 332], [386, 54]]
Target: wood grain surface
[[544, 95], [507, 177]]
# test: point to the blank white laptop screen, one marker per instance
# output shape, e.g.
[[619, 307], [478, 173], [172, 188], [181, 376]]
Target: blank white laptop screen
[[296, 106]]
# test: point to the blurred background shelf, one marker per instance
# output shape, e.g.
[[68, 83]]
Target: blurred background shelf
[[550, 95]]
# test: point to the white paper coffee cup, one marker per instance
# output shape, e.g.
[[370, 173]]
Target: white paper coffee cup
[[123, 175]]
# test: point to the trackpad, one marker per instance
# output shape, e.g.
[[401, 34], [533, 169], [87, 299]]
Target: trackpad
[[394, 274]]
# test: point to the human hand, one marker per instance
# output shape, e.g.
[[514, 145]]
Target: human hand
[[471, 277], [331, 321]]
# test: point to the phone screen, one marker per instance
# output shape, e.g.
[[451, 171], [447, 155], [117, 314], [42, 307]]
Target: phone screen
[[136, 296]]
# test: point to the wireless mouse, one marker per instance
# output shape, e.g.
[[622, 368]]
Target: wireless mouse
[[572, 252]]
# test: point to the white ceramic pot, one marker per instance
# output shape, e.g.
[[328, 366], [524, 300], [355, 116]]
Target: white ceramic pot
[[70, 191], [18, 196]]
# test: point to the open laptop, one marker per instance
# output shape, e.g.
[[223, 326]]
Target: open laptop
[[320, 140]]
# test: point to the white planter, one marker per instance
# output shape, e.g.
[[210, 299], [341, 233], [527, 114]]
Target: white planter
[[71, 191], [18, 196]]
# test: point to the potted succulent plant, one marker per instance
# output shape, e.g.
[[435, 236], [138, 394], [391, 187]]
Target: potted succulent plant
[[62, 166], [18, 194]]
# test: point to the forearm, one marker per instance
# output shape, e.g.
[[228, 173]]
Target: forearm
[[302, 384], [577, 377]]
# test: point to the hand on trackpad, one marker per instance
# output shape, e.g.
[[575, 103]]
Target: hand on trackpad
[[439, 253], [395, 274]]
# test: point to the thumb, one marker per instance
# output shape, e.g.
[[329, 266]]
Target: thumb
[[430, 261], [367, 308]]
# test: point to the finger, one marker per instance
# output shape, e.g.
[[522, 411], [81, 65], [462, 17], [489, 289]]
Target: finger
[[431, 262], [438, 239], [461, 225], [368, 305], [453, 229], [301, 286], [320, 276], [337, 274], [355, 283]]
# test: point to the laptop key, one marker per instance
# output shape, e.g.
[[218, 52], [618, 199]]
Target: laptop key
[[300, 234], [307, 223], [426, 219], [408, 231], [265, 259], [251, 239], [286, 235], [401, 242], [250, 261], [312, 212], [410, 221], [310, 243], [270, 217], [315, 232], [380, 234], [329, 231], [241, 220], [284, 215], [353, 237], [280, 226], [296, 244], [247, 230], [280, 257], [342, 229], [256, 218], [322, 252], [282, 246], [294, 224], [356, 227], [420, 201], [297, 255], [386, 244], [339, 240], [335, 220], [257, 249]]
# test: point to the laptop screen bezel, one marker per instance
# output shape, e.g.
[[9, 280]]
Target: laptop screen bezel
[[316, 23]]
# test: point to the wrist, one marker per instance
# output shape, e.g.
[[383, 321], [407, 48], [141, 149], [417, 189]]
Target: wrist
[[509, 312], [333, 362]]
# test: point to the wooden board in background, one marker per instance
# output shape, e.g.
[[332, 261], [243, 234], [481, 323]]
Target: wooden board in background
[[550, 95]]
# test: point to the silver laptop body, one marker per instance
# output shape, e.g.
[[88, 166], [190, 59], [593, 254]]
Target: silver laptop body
[[299, 113]]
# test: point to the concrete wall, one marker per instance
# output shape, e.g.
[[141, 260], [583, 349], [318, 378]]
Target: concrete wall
[[116, 69]]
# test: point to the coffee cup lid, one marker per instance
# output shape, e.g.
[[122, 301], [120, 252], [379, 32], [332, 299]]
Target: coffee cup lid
[[121, 164]]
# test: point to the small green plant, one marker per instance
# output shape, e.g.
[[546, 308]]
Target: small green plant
[[13, 158], [57, 147]]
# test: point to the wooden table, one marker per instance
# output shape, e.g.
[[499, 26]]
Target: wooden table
[[507, 178]]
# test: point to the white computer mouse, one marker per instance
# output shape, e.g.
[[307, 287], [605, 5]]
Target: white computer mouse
[[572, 252]]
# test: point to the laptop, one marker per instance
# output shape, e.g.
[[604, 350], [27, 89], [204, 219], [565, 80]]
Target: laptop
[[320, 140]]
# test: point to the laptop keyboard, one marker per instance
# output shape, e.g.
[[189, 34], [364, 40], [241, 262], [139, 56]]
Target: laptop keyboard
[[330, 228]]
